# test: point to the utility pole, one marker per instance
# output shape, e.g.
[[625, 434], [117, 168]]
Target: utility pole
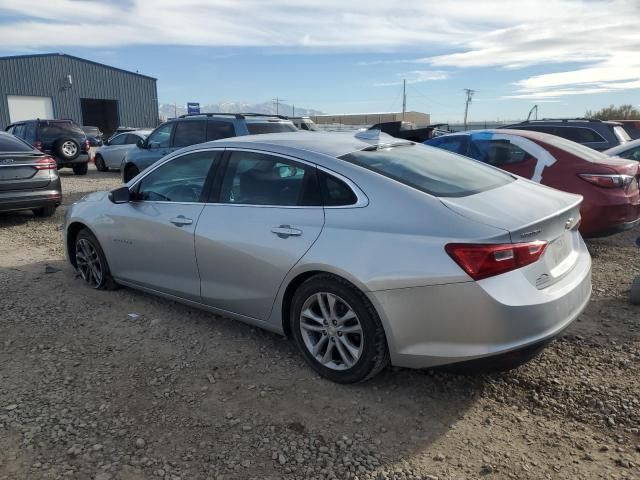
[[469, 93], [277, 101], [293, 110], [175, 110], [404, 98]]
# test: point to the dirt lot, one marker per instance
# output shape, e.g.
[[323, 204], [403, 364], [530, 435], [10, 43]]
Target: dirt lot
[[89, 393]]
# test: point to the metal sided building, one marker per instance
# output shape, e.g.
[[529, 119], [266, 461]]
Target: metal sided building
[[57, 85]]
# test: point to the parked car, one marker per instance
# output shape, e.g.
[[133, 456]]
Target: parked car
[[409, 130], [300, 233], [304, 123], [121, 129], [94, 135], [64, 140], [609, 186], [630, 150], [28, 178], [198, 128], [596, 134], [112, 153]]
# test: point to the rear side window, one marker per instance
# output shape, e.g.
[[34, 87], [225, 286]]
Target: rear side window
[[497, 152], [335, 192], [189, 132], [260, 179], [19, 130], [217, 130], [430, 170], [270, 127], [9, 143], [579, 134], [131, 139]]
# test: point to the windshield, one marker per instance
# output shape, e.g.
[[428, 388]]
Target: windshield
[[270, 127], [431, 170]]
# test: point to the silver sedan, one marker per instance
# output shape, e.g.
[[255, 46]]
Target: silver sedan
[[111, 154], [365, 250]]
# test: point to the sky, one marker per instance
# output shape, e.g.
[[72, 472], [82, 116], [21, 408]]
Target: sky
[[566, 56]]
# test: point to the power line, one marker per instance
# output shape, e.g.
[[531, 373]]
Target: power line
[[430, 99]]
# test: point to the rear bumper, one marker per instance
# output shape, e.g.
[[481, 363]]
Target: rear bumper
[[82, 158], [604, 220], [444, 324], [27, 200]]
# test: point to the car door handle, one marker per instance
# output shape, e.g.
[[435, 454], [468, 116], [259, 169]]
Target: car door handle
[[286, 231], [180, 221]]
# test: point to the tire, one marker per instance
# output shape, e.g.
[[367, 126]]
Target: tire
[[130, 172], [44, 212], [634, 293], [351, 310], [80, 169], [100, 166], [91, 262], [66, 148]]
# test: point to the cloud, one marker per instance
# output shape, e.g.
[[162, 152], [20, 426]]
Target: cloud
[[599, 39], [416, 76]]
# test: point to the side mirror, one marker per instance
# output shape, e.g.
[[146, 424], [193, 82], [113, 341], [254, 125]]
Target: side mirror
[[120, 195], [140, 143]]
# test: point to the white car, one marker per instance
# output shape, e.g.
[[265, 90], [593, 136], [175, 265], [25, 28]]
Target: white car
[[111, 154], [630, 150]]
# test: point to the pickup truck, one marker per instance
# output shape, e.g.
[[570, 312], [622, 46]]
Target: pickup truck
[[409, 131]]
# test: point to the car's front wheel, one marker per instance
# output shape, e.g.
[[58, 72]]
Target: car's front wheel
[[91, 262], [338, 330]]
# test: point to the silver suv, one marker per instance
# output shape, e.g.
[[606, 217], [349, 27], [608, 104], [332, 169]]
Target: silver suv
[[597, 134], [198, 128]]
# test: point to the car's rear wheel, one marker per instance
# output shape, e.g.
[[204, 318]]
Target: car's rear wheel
[[634, 294], [67, 148], [100, 166], [338, 330], [130, 172], [80, 169], [43, 212], [91, 262]]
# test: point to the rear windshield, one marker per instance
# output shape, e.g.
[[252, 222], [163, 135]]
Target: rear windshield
[[9, 143], [576, 149], [53, 129], [270, 127], [91, 130], [431, 170]]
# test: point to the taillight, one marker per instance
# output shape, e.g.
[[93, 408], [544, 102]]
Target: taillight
[[87, 145], [487, 260], [607, 181], [38, 145], [45, 163]]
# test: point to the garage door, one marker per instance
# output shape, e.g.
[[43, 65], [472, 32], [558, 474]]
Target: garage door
[[25, 108]]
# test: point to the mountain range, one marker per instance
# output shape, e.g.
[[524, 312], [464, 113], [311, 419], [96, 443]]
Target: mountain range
[[168, 110]]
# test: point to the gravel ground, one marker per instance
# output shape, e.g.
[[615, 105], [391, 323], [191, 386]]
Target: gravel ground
[[87, 392]]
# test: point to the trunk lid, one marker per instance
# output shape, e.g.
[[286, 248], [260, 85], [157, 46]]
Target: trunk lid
[[530, 212], [18, 171]]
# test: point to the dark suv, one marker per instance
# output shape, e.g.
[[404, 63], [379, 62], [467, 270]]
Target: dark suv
[[597, 134], [198, 128], [64, 140]]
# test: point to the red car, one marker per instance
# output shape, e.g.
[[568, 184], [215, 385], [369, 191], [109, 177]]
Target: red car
[[609, 185]]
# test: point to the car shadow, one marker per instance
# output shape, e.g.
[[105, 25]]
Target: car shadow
[[182, 375]]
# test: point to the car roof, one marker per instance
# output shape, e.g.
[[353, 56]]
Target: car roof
[[531, 134], [333, 144], [563, 121]]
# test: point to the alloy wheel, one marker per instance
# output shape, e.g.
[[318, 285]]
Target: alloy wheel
[[88, 262], [331, 331], [69, 148]]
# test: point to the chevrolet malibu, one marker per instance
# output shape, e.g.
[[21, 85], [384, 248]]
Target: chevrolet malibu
[[365, 250]]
